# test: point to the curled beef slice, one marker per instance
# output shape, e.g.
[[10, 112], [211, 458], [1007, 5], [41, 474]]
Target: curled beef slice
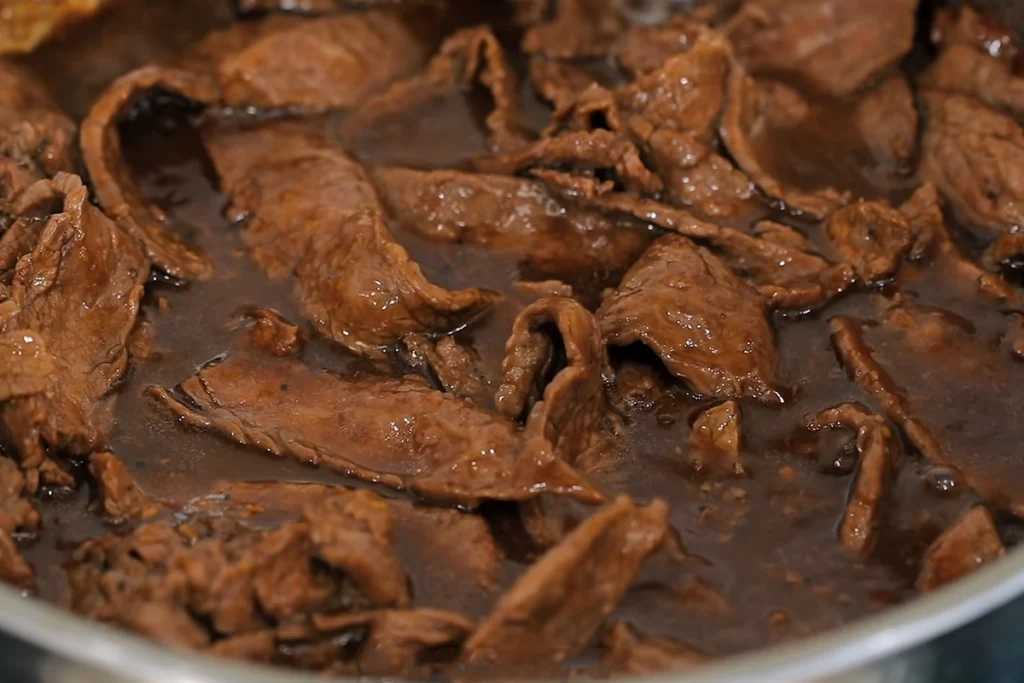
[[974, 156], [112, 180], [969, 543], [469, 57], [79, 290], [578, 29], [397, 432], [270, 331], [783, 266], [555, 238], [571, 404], [876, 459], [708, 326], [555, 608], [835, 46], [749, 107], [630, 652], [120, 497], [455, 367], [872, 236], [715, 440], [312, 210], [962, 68]]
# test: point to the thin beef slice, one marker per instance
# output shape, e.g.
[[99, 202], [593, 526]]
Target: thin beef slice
[[555, 608], [397, 432], [708, 326], [971, 542], [872, 236]]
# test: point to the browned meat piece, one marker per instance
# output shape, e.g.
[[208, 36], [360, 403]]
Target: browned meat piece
[[555, 238], [36, 139], [971, 542], [453, 366], [749, 105], [975, 157], [558, 82], [875, 450], [783, 266], [467, 58], [120, 497], [962, 68], [630, 652], [79, 290], [836, 46], [597, 151], [354, 533], [645, 48], [26, 367], [887, 121], [872, 236], [555, 608], [579, 28], [397, 432], [567, 408], [271, 332], [24, 24], [13, 567], [112, 180], [17, 514], [709, 327], [313, 210], [715, 440]]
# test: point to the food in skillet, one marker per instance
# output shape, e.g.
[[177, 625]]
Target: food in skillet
[[466, 340]]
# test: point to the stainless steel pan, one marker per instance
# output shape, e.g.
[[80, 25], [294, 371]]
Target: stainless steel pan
[[969, 631]]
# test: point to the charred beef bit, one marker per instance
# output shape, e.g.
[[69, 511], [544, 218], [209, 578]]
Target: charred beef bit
[[708, 326], [645, 48], [313, 211], [455, 367], [555, 237], [446, 449], [872, 236], [629, 652], [120, 497], [578, 29], [887, 121], [783, 266], [271, 332], [353, 533], [595, 152], [468, 57], [969, 543], [572, 403], [975, 157], [835, 46], [749, 105], [79, 290], [715, 440], [875, 450], [112, 181], [555, 608]]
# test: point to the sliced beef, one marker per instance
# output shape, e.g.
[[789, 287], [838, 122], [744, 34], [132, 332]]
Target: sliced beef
[[312, 210], [708, 326], [630, 652], [17, 514], [578, 29], [270, 331], [554, 238], [975, 157], [645, 48], [120, 497], [569, 402], [872, 236], [26, 367], [835, 46], [969, 543], [397, 432], [469, 57], [876, 460], [555, 608], [750, 106], [24, 25], [455, 367], [962, 68], [715, 440], [79, 291], [784, 266], [887, 121]]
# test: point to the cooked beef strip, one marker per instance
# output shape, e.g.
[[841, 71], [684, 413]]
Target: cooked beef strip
[[121, 498], [646, 47], [870, 235], [397, 432], [454, 367], [709, 327], [835, 46], [632, 653], [961, 549], [566, 594]]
